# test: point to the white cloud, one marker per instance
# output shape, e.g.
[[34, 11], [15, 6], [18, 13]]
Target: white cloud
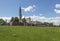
[[57, 5], [29, 8], [57, 11], [7, 19], [55, 20]]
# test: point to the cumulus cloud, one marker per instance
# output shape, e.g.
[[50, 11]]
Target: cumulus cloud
[[57, 11], [57, 5], [7, 19], [29, 8], [54, 20]]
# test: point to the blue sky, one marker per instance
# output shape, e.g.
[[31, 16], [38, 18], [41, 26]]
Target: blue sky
[[45, 8]]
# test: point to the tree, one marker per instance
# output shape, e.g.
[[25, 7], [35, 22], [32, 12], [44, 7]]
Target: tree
[[2, 22], [46, 23], [24, 21], [16, 19], [50, 24], [12, 19]]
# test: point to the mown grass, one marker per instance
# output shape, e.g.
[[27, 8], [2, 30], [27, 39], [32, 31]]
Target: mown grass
[[29, 33]]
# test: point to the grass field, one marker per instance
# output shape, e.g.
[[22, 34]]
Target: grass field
[[29, 33]]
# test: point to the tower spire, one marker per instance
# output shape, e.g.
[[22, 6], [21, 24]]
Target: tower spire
[[20, 15]]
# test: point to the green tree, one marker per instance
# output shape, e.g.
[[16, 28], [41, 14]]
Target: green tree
[[2, 22], [46, 23], [12, 19], [24, 21], [51, 24], [16, 19]]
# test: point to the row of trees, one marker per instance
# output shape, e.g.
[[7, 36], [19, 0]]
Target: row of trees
[[16, 19], [48, 24], [13, 19]]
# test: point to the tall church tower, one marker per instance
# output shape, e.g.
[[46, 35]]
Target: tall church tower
[[20, 15]]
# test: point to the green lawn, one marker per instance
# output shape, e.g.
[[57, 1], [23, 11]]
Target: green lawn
[[28, 33]]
